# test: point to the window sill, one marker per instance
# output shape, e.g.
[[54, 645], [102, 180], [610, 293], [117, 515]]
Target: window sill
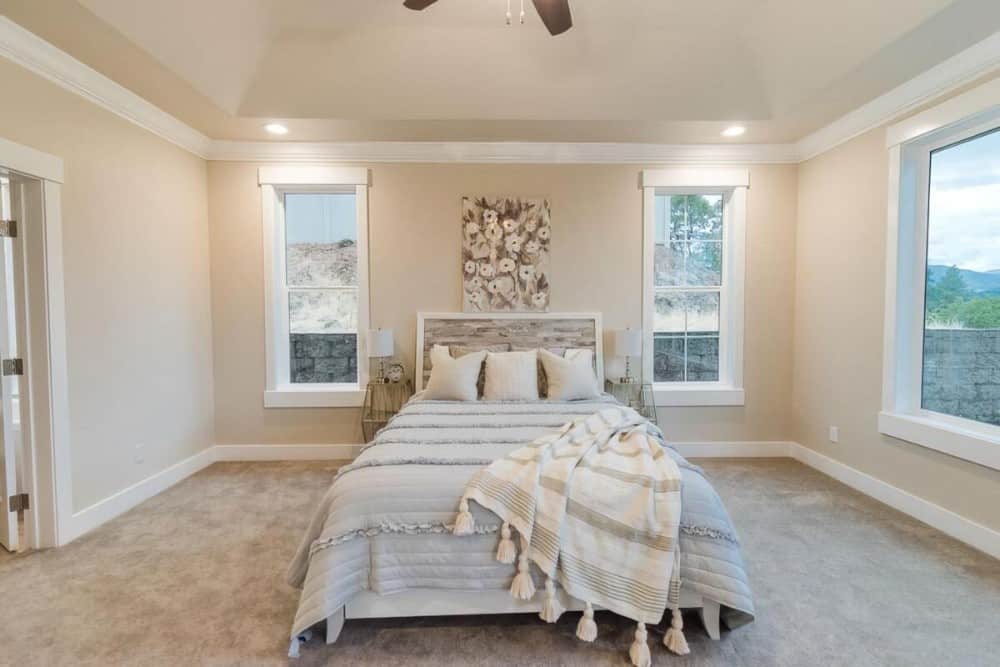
[[323, 396], [708, 394], [978, 443]]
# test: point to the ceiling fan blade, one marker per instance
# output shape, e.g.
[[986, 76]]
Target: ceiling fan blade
[[417, 5], [555, 15]]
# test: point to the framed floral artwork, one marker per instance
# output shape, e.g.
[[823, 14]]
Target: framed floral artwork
[[505, 254]]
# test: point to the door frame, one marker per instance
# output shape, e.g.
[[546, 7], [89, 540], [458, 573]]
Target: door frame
[[46, 453]]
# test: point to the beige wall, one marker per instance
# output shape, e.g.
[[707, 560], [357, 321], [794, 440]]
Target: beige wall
[[136, 275], [414, 214], [840, 272]]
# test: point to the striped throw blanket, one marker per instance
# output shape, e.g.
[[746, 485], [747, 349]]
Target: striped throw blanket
[[596, 506]]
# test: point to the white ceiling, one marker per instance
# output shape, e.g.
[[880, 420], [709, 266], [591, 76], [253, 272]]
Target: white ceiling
[[786, 67]]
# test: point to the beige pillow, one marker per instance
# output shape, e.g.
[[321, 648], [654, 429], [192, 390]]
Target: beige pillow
[[571, 377], [453, 379], [511, 376], [462, 350]]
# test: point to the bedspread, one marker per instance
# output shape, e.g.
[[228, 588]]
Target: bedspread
[[408, 482]]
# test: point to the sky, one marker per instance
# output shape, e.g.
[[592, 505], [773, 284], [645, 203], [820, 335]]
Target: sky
[[964, 222], [319, 218]]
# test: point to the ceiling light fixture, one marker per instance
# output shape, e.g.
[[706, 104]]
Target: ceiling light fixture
[[276, 128], [734, 131]]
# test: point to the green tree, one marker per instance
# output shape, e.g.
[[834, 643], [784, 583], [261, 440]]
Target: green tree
[[947, 290], [981, 313]]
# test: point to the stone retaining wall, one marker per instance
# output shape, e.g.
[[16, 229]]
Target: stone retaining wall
[[962, 373]]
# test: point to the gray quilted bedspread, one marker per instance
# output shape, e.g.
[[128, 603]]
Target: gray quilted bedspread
[[384, 525]]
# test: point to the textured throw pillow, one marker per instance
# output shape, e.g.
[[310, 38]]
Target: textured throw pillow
[[571, 377], [453, 379], [462, 350], [511, 376]]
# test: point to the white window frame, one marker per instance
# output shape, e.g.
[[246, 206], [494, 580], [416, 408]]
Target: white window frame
[[732, 184], [275, 182], [910, 144]]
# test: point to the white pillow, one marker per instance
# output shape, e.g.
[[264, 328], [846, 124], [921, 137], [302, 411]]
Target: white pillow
[[572, 377], [453, 379], [511, 376]]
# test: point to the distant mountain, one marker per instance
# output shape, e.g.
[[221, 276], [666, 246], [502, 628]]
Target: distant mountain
[[976, 281]]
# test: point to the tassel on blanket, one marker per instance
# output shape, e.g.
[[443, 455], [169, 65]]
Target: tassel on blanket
[[674, 640], [586, 629], [523, 588], [639, 651], [463, 522], [551, 609], [506, 551], [296, 643]]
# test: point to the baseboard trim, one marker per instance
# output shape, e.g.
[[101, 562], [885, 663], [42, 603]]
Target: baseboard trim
[[965, 530], [117, 504], [962, 529], [286, 452]]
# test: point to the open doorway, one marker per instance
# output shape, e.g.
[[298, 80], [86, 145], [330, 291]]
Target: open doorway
[[14, 496]]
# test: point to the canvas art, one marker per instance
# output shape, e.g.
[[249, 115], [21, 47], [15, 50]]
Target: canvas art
[[505, 254]]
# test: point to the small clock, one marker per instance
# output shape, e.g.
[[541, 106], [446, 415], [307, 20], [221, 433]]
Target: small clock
[[395, 372]]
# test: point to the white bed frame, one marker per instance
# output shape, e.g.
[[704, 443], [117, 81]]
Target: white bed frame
[[437, 602]]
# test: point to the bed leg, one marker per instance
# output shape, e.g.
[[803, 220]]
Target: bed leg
[[710, 618], [334, 624]]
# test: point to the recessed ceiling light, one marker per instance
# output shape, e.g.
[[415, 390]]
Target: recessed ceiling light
[[734, 131], [276, 128]]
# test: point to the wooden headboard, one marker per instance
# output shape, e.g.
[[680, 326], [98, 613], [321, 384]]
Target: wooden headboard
[[523, 331]]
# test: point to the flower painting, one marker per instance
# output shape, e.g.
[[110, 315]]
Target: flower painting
[[505, 254]]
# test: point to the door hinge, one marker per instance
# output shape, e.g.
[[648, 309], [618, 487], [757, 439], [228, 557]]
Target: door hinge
[[8, 228], [13, 367], [18, 503]]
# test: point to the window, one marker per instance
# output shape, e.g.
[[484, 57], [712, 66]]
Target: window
[[693, 305], [315, 231], [961, 369], [941, 381]]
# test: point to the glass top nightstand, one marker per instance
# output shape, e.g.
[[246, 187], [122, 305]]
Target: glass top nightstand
[[382, 401], [636, 395]]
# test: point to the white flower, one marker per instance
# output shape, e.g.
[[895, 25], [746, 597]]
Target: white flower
[[527, 272], [531, 247], [489, 216], [506, 265], [530, 224], [470, 266], [513, 243], [493, 287], [544, 233], [487, 270], [494, 232], [478, 298], [509, 225], [475, 283], [472, 228], [539, 299]]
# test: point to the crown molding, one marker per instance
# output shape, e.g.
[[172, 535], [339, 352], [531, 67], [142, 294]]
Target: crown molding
[[964, 67], [30, 51], [34, 53], [510, 152]]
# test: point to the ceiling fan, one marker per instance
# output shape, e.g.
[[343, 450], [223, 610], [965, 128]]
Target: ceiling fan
[[554, 13]]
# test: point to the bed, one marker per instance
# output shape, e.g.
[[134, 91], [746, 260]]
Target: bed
[[380, 542]]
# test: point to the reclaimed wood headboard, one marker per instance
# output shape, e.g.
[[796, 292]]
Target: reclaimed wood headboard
[[523, 331]]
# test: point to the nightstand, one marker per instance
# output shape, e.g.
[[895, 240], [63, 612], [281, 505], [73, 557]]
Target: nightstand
[[382, 401], [636, 395]]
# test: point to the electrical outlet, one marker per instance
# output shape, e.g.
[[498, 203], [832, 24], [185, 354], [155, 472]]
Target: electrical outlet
[[139, 456], [834, 434]]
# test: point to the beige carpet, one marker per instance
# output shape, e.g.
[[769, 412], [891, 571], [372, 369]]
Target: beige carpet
[[195, 577]]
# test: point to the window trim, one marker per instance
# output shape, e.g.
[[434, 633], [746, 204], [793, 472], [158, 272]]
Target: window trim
[[274, 183], [909, 144], [732, 184]]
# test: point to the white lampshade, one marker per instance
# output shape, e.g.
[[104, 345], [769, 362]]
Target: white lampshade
[[380, 343], [627, 343]]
